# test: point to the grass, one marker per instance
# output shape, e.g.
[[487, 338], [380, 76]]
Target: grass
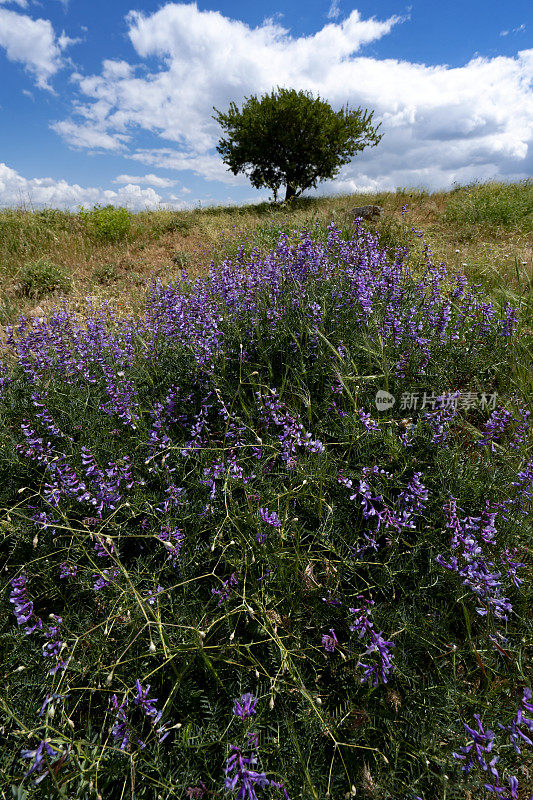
[[228, 565], [160, 243]]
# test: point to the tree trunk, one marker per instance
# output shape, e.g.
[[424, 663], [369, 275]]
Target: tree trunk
[[289, 192]]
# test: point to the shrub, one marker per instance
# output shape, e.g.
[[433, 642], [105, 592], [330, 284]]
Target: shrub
[[224, 566], [181, 258], [108, 223], [40, 278], [179, 225], [55, 219], [106, 274]]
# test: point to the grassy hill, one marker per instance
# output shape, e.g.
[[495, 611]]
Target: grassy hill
[[488, 228], [266, 482]]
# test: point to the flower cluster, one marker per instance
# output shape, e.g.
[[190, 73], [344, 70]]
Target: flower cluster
[[329, 642], [42, 759], [293, 433], [501, 422], [245, 707], [122, 729], [23, 609], [478, 572], [172, 538], [224, 592], [196, 443], [482, 745], [23, 606], [363, 625], [244, 779]]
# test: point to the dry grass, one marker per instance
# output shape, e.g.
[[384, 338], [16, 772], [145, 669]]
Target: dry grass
[[161, 243]]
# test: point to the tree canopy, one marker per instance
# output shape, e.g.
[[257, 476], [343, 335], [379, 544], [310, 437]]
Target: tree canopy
[[293, 139]]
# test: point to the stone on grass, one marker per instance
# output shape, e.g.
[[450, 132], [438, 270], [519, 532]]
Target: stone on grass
[[366, 212]]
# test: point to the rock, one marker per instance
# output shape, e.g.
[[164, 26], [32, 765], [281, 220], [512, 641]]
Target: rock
[[36, 312], [366, 212]]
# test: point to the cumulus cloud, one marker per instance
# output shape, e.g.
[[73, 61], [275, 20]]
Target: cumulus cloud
[[207, 165], [33, 43], [89, 135], [149, 180], [438, 122], [207, 59], [17, 190]]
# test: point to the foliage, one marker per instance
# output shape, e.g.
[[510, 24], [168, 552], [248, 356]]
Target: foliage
[[509, 205], [181, 259], [224, 566], [291, 138], [105, 274], [40, 278], [108, 223], [62, 238]]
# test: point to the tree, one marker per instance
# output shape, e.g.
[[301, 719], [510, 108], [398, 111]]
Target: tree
[[291, 138]]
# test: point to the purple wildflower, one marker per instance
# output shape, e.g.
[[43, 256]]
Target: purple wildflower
[[68, 570], [245, 707], [270, 519], [281, 786], [50, 698], [329, 600], [120, 730], [244, 778], [224, 593], [483, 742], [384, 667], [106, 579], [151, 595], [39, 755], [172, 538], [330, 642], [23, 607], [520, 719]]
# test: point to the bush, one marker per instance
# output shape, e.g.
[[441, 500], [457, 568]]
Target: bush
[[108, 223], [40, 278], [181, 258], [55, 219], [179, 225], [224, 565], [106, 274]]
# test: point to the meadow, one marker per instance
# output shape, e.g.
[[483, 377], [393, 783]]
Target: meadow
[[266, 481]]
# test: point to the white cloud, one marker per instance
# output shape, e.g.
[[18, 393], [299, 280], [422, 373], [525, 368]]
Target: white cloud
[[519, 29], [89, 135], [33, 43], [334, 10], [149, 180], [17, 190], [208, 59], [207, 165], [438, 122]]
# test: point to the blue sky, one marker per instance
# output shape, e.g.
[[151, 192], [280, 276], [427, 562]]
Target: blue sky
[[112, 101]]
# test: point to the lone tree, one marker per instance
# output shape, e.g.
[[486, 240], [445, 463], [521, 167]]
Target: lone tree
[[291, 138]]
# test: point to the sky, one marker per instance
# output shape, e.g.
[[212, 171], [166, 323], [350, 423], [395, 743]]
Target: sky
[[111, 101]]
